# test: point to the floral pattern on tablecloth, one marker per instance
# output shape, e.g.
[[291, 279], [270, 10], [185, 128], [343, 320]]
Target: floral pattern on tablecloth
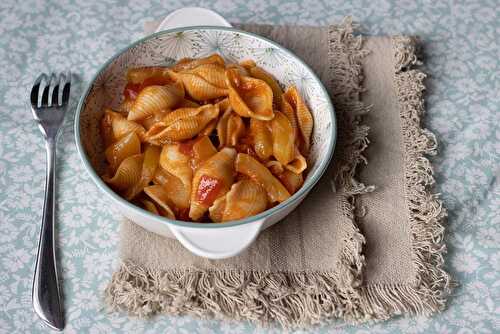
[[461, 47]]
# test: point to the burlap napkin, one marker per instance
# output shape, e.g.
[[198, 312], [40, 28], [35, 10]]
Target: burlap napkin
[[347, 252]]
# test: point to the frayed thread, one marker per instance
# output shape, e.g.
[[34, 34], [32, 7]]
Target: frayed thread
[[292, 299], [431, 286]]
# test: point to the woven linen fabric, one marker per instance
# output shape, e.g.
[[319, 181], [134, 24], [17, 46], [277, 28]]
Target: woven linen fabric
[[317, 264]]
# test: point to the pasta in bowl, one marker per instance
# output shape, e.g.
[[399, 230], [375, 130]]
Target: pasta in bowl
[[203, 140], [209, 149]]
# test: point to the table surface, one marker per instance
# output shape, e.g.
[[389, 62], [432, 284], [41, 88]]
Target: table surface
[[461, 44]]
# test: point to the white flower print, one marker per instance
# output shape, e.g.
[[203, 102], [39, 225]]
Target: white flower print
[[465, 263], [15, 260]]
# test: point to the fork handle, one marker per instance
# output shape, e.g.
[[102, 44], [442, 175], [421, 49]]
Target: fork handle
[[45, 293]]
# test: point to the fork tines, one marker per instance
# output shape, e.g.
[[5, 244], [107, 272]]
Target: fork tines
[[46, 91]]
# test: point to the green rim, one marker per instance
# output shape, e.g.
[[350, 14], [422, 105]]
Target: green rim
[[306, 187]]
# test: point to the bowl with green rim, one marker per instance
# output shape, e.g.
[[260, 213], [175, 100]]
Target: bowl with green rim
[[164, 48]]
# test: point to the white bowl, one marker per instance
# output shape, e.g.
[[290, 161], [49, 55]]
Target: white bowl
[[213, 241]]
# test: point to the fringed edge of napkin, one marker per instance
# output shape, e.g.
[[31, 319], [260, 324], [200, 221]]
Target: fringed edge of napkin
[[426, 212], [291, 299]]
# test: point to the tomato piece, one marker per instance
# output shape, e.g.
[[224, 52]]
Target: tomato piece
[[208, 189]]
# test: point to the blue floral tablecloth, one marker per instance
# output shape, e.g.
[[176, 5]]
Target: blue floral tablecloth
[[461, 45]]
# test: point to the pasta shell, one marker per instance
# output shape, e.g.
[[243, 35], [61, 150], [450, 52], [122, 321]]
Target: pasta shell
[[127, 146], [122, 126], [150, 206], [262, 138], [202, 150], [247, 64], [189, 63], [177, 163], [288, 111], [224, 105], [291, 181], [149, 165], [242, 70], [154, 98], [138, 75], [275, 167], [246, 198], [106, 128], [283, 140], [230, 129], [211, 73], [207, 131], [249, 97], [304, 117], [186, 103], [126, 106], [198, 87], [158, 194], [176, 190], [211, 180], [127, 174], [182, 124], [155, 118], [216, 211], [250, 167], [298, 164], [181, 113], [222, 127], [261, 74], [235, 129]]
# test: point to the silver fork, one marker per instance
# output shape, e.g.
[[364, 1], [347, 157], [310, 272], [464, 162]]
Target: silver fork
[[49, 102]]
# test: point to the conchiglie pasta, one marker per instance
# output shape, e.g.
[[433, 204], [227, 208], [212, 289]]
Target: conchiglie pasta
[[149, 165], [249, 97], [139, 75], [230, 129], [125, 147], [106, 128], [159, 195], [298, 164], [198, 87], [155, 98], [126, 106], [262, 138], [177, 163], [261, 74], [153, 119], [181, 124], [203, 140], [120, 126], [202, 149], [246, 198], [127, 174], [250, 167], [211, 180], [212, 73], [176, 191], [304, 117], [283, 139], [190, 63], [291, 181]]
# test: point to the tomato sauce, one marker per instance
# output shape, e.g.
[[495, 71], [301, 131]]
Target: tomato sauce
[[208, 189], [186, 148]]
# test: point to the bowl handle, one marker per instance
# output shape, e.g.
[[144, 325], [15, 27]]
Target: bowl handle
[[217, 243], [192, 16]]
